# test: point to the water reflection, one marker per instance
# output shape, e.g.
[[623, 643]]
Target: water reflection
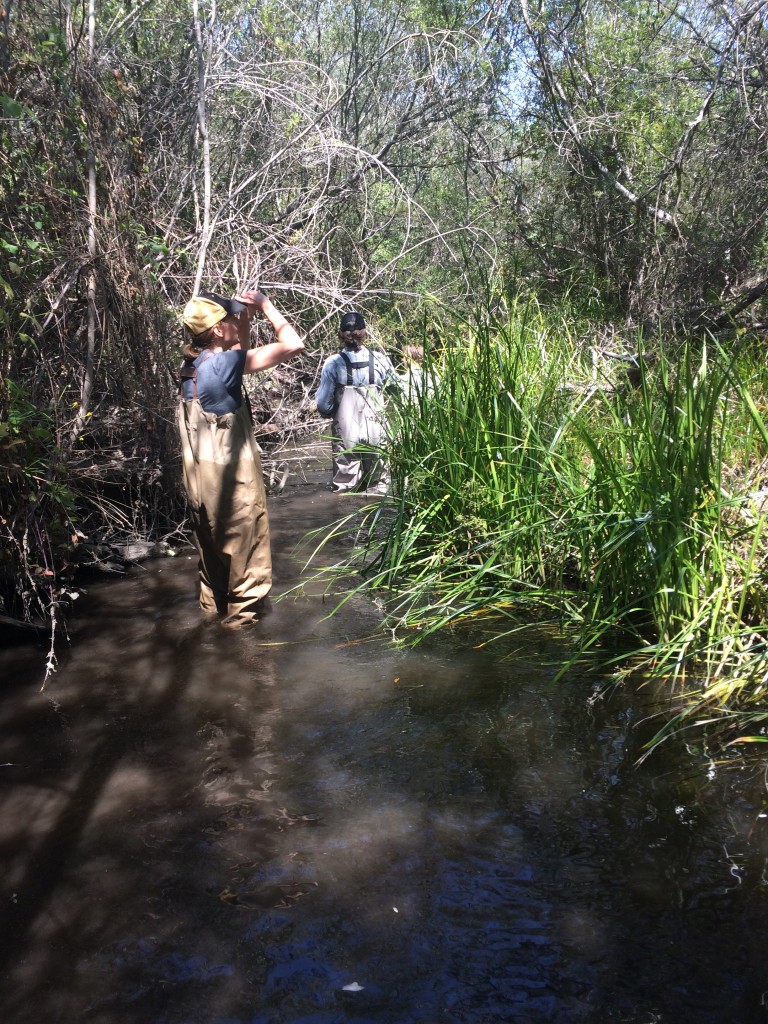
[[298, 823]]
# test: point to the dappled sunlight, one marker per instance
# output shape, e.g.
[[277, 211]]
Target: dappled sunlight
[[128, 786], [301, 818]]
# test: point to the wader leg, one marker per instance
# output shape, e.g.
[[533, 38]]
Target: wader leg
[[347, 473], [228, 510], [213, 573], [376, 473], [347, 469]]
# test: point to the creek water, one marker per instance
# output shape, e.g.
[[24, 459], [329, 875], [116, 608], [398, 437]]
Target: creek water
[[298, 822]]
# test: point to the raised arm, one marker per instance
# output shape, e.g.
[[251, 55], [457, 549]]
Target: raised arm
[[288, 342]]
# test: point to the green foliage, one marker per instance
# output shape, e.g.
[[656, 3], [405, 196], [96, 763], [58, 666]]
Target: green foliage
[[61, 110], [646, 180], [607, 156], [39, 507], [622, 509]]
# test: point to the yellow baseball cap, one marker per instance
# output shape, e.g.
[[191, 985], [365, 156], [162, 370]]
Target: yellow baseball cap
[[206, 310]]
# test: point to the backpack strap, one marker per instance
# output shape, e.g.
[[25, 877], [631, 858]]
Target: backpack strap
[[358, 365]]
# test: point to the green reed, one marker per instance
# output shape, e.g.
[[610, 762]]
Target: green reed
[[531, 484]]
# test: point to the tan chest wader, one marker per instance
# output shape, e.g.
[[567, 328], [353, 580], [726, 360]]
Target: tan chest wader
[[227, 506], [358, 428]]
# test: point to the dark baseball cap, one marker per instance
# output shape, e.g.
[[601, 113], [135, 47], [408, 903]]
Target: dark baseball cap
[[352, 322]]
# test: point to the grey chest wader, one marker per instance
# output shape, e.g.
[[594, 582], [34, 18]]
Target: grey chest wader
[[358, 428], [360, 414]]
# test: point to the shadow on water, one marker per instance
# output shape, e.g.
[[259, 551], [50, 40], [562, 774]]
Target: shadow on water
[[299, 823]]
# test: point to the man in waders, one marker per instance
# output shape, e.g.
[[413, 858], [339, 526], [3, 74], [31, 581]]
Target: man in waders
[[220, 458], [352, 386]]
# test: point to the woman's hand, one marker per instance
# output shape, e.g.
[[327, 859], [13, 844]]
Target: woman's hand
[[287, 342], [254, 300]]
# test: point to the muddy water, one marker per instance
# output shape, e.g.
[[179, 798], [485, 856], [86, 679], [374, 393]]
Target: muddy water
[[298, 823]]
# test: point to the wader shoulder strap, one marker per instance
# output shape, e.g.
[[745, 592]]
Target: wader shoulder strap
[[358, 366], [188, 371]]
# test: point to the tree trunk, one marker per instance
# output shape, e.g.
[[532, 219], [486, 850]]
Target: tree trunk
[[202, 127], [89, 372]]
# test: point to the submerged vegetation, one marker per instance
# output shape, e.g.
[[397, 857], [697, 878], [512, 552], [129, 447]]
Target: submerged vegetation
[[621, 499]]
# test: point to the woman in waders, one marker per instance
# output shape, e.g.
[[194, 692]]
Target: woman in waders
[[221, 464], [351, 389]]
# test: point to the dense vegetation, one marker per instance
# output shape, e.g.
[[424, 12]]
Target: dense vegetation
[[626, 513], [541, 191]]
